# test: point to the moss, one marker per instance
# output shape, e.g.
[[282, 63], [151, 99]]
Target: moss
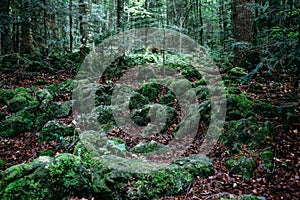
[[6, 95], [103, 95], [46, 152], [61, 109], [53, 130], [241, 165], [267, 157], [15, 125], [2, 163], [46, 178], [137, 101], [191, 73], [147, 180], [245, 131], [151, 90], [167, 99], [239, 106], [149, 147]]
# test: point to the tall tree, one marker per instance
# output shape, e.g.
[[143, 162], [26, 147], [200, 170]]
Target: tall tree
[[26, 46], [6, 45], [242, 18], [85, 25]]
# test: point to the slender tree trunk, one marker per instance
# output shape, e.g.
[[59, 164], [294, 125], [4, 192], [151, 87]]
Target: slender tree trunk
[[85, 26], [26, 40], [201, 22], [119, 13], [71, 25], [45, 16], [6, 43], [242, 18], [15, 28]]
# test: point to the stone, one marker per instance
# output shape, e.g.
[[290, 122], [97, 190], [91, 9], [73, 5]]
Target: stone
[[46, 178], [54, 130], [241, 165], [111, 174], [247, 132], [61, 109]]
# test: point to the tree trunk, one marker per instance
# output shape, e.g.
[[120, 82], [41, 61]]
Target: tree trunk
[[119, 12], [26, 41], [242, 18], [6, 45], [85, 26], [71, 24]]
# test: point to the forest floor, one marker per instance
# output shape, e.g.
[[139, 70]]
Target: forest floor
[[282, 182]]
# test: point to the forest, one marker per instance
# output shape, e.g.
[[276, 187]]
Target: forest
[[149, 99]]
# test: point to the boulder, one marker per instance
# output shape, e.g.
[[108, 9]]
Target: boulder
[[53, 130], [247, 132], [46, 178], [142, 179], [61, 109], [241, 165]]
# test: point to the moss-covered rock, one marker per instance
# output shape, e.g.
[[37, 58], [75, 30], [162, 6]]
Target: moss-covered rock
[[239, 106], [18, 123], [149, 147], [6, 95], [137, 101], [191, 73], [103, 95], [241, 165], [61, 109], [96, 144], [46, 178], [111, 175], [267, 157], [66, 86], [20, 100], [167, 99], [45, 98], [54, 130], [141, 117], [245, 131], [151, 90]]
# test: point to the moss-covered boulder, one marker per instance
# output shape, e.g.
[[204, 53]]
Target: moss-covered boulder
[[239, 106], [6, 95], [95, 144], [103, 95], [45, 98], [149, 147], [267, 156], [167, 99], [46, 178], [20, 100], [241, 165], [53, 130], [114, 177], [246, 131], [151, 90], [137, 101], [61, 109]]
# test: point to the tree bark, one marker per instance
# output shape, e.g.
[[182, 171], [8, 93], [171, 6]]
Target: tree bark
[[26, 41], [6, 43], [242, 18]]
